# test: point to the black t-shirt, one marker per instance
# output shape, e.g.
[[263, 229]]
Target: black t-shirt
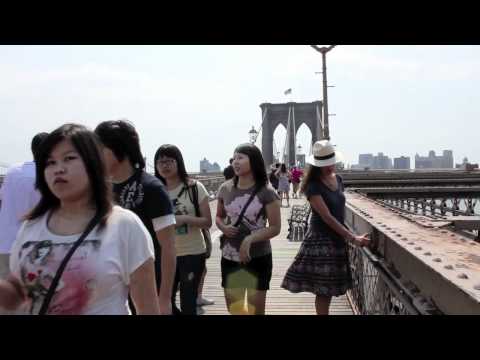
[[147, 197], [335, 201], [273, 179], [228, 172]]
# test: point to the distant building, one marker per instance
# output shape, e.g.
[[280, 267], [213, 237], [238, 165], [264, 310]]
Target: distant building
[[369, 161], [435, 162], [465, 165], [382, 162], [401, 163], [365, 160], [207, 167]]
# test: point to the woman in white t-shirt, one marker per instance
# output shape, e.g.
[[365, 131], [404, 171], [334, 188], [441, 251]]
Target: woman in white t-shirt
[[114, 259], [191, 247]]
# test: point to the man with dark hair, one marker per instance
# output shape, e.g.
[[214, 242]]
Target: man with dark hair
[[228, 172], [145, 195], [272, 177], [18, 196]]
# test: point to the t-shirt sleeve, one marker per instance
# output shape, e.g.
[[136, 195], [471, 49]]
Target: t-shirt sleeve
[[268, 195], [158, 206], [15, 250], [138, 245], [221, 192], [313, 189], [202, 192]]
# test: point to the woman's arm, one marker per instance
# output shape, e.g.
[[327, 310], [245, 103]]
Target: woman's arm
[[321, 208], [11, 293], [272, 230], [204, 221], [166, 239], [143, 289], [274, 224], [228, 230]]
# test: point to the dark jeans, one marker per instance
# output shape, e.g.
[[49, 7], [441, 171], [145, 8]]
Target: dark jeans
[[188, 275]]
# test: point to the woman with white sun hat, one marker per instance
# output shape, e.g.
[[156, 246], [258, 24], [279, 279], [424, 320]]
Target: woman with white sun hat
[[321, 265]]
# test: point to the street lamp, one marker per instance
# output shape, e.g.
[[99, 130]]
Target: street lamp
[[253, 135], [323, 51]]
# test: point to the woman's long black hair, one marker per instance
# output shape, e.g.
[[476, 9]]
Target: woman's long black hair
[[312, 173], [87, 144], [171, 151], [256, 164]]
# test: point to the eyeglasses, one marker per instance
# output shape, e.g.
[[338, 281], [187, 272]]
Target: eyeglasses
[[169, 162]]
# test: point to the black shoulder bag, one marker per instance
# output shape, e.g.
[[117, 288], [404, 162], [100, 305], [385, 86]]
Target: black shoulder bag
[[243, 231], [63, 265], [205, 232]]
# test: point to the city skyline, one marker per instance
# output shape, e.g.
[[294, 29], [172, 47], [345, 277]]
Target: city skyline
[[432, 161], [402, 99]]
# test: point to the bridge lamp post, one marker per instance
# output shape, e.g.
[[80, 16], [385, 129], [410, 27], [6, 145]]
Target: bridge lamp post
[[324, 51], [253, 135]]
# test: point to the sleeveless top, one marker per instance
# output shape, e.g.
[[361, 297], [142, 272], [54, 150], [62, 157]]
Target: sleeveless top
[[334, 200]]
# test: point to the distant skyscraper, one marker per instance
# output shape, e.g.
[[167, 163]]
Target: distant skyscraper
[[447, 159], [207, 167], [368, 161], [382, 162], [435, 162], [365, 160], [401, 163]]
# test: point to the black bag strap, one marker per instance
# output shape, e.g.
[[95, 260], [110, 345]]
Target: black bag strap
[[61, 268], [194, 199], [182, 191], [250, 199]]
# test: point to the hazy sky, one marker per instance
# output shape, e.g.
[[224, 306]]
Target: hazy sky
[[400, 100]]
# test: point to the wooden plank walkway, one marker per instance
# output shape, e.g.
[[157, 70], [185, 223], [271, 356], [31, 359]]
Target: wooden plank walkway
[[279, 301]]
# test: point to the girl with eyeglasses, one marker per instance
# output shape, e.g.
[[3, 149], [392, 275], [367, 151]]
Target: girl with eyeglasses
[[192, 214]]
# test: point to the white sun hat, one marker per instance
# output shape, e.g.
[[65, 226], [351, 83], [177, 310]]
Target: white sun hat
[[324, 154]]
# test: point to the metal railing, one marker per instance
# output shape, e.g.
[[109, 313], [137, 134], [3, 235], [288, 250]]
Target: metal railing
[[377, 290]]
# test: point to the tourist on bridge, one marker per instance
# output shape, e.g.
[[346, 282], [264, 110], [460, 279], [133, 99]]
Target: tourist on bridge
[[245, 203], [192, 215], [228, 172], [18, 196], [283, 184], [272, 177], [145, 195], [295, 175], [321, 265], [54, 269]]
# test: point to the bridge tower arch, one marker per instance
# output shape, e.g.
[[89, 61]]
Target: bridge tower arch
[[309, 114]]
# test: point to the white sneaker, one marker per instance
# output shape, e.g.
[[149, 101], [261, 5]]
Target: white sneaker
[[200, 310], [202, 301]]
